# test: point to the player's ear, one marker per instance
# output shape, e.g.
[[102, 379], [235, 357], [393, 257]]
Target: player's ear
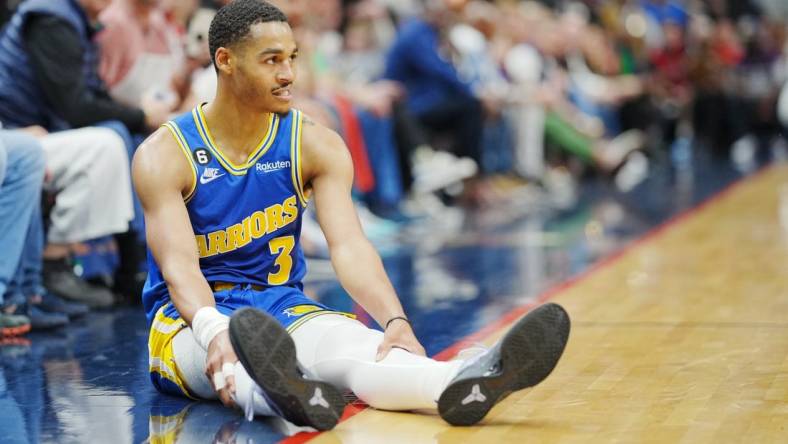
[[223, 59]]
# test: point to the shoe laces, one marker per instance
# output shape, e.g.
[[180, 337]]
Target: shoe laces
[[472, 354], [259, 395], [249, 407]]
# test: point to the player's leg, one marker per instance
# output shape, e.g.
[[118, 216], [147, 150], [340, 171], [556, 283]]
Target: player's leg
[[524, 357], [342, 351], [267, 351], [190, 360], [177, 365]]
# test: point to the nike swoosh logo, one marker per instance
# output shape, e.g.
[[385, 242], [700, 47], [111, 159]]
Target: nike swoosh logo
[[204, 180]]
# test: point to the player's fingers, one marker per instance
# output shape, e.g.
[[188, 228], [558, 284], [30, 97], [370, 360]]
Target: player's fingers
[[212, 365], [228, 370], [226, 398], [230, 384], [385, 348], [417, 349]]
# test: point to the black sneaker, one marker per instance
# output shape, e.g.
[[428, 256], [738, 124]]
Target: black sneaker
[[523, 358], [53, 304], [59, 278], [268, 353], [12, 325]]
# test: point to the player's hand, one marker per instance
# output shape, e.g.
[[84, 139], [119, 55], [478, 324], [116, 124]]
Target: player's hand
[[219, 367], [399, 334]]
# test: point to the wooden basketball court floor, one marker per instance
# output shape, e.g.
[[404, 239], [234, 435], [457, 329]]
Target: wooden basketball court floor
[[682, 336]]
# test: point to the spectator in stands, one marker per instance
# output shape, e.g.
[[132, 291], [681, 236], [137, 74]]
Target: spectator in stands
[[541, 68], [21, 177], [142, 54], [88, 174], [24, 293], [24, 303], [48, 77], [420, 59], [48, 71]]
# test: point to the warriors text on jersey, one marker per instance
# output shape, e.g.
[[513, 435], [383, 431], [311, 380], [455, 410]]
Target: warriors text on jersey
[[246, 218]]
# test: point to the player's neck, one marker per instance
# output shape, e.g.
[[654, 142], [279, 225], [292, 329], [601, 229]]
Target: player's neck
[[236, 129]]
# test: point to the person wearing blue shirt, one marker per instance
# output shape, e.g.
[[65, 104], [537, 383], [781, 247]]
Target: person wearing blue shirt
[[420, 59]]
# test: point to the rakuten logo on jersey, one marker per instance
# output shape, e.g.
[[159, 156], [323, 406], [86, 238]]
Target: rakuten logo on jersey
[[270, 167]]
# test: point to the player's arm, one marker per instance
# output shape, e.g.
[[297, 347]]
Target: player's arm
[[328, 169], [162, 176]]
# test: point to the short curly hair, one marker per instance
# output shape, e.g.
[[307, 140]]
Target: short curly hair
[[233, 22]]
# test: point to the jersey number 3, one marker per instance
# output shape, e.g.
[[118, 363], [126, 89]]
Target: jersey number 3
[[282, 247]]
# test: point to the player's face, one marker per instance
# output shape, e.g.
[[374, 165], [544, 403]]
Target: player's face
[[265, 69]]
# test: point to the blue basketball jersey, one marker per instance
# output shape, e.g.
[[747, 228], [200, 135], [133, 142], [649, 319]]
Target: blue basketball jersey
[[246, 218]]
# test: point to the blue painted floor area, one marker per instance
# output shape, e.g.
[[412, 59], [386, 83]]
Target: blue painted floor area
[[89, 382]]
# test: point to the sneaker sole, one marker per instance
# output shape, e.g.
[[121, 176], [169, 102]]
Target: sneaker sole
[[268, 353], [529, 353], [14, 331], [14, 341]]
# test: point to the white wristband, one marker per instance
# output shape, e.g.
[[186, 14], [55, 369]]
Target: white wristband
[[207, 323]]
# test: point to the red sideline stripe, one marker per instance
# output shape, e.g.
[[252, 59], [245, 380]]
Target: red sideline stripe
[[515, 314], [350, 411]]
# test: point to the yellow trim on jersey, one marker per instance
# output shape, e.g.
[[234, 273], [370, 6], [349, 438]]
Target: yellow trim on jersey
[[162, 358], [237, 170], [176, 133], [295, 156]]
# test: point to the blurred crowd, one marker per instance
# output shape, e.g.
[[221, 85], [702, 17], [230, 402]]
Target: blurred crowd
[[442, 103]]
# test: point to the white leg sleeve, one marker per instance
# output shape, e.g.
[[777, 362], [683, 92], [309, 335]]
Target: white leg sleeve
[[89, 170], [190, 359], [342, 351]]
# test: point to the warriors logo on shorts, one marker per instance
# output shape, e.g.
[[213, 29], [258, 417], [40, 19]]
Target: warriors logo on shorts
[[300, 310]]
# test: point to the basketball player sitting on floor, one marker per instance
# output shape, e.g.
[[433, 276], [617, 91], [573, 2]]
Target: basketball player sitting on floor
[[224, 188]]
